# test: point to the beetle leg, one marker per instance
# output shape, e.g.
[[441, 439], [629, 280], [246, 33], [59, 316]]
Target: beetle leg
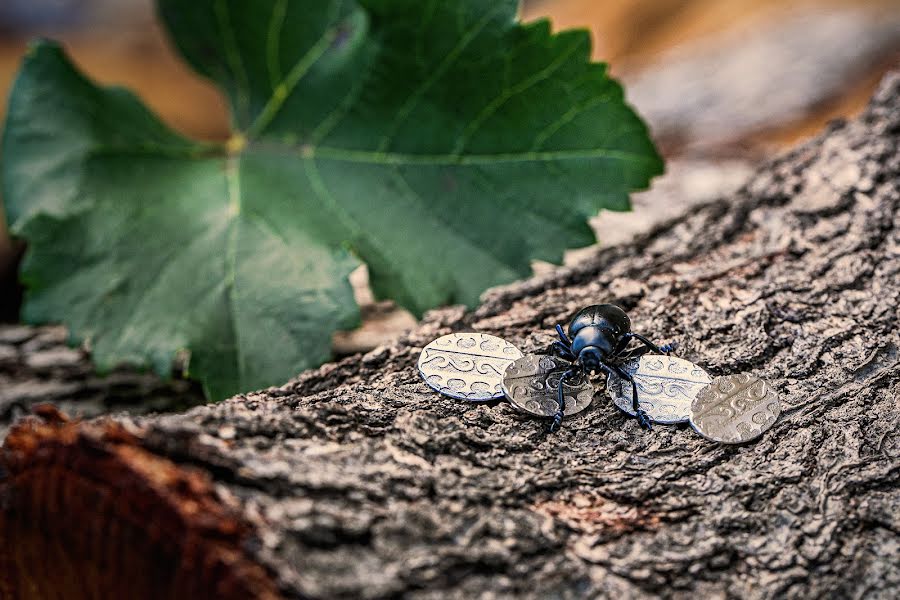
[[642, 417], [670, 347], [644, 420], [633, 353], [653, 347], [621, 344], [562, 335], [564, 350], [561, 400]]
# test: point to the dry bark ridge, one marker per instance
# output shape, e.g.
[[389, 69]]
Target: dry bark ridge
[[36, 365], [356, 480]]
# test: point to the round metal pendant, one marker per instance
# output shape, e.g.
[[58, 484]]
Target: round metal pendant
[[666, 387], [532, 382], [467, 366], [735, 409]]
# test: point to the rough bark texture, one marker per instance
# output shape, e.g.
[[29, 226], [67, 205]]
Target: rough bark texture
[[356, 480], [37, 366]]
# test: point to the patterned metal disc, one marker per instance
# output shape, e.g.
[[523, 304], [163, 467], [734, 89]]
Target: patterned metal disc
[[735, 409], [467, 366], [666, 387], [532, 382]]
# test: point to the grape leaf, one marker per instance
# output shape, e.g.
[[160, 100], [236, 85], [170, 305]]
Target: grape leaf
[[440, 142]]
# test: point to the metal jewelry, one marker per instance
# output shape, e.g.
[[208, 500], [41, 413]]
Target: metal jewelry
[[735, 409], [667, 386], [643, 380], [532, 385], [467, 366]]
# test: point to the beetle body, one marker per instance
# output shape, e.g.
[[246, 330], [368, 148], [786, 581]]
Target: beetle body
[[595, 333], [597, 340]]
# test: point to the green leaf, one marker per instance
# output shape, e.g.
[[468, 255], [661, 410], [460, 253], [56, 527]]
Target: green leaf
[[440, 142]]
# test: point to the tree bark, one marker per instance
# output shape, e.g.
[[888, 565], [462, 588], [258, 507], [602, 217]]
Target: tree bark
[[355, 480], [37, 365]]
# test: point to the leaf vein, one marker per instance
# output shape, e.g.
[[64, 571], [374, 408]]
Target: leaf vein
[[303, 65], [450, 226], [331, 121], [233, 190], [509, 93], [567, 117], [233, 55], [399, 158], [273, 42], [449, 60]]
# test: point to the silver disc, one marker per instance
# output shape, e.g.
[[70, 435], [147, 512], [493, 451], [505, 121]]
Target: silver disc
[[467, 366], [666, 387], [735, 409], [532, 382]]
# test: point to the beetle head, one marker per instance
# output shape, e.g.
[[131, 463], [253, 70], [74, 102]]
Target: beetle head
[[589, 358]]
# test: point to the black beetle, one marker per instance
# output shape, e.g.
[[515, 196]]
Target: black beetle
[[598, 338]]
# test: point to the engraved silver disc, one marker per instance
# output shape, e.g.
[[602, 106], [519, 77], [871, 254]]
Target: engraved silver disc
[[735, 409], [467, 366], [532, 382], [666, 387]]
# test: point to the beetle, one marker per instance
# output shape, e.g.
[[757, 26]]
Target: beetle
[[597, 340]]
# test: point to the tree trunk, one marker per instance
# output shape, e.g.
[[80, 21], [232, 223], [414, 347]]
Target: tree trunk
[[37, 365], [356, 480]]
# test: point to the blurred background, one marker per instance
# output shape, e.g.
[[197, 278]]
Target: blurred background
[[722, 83]]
